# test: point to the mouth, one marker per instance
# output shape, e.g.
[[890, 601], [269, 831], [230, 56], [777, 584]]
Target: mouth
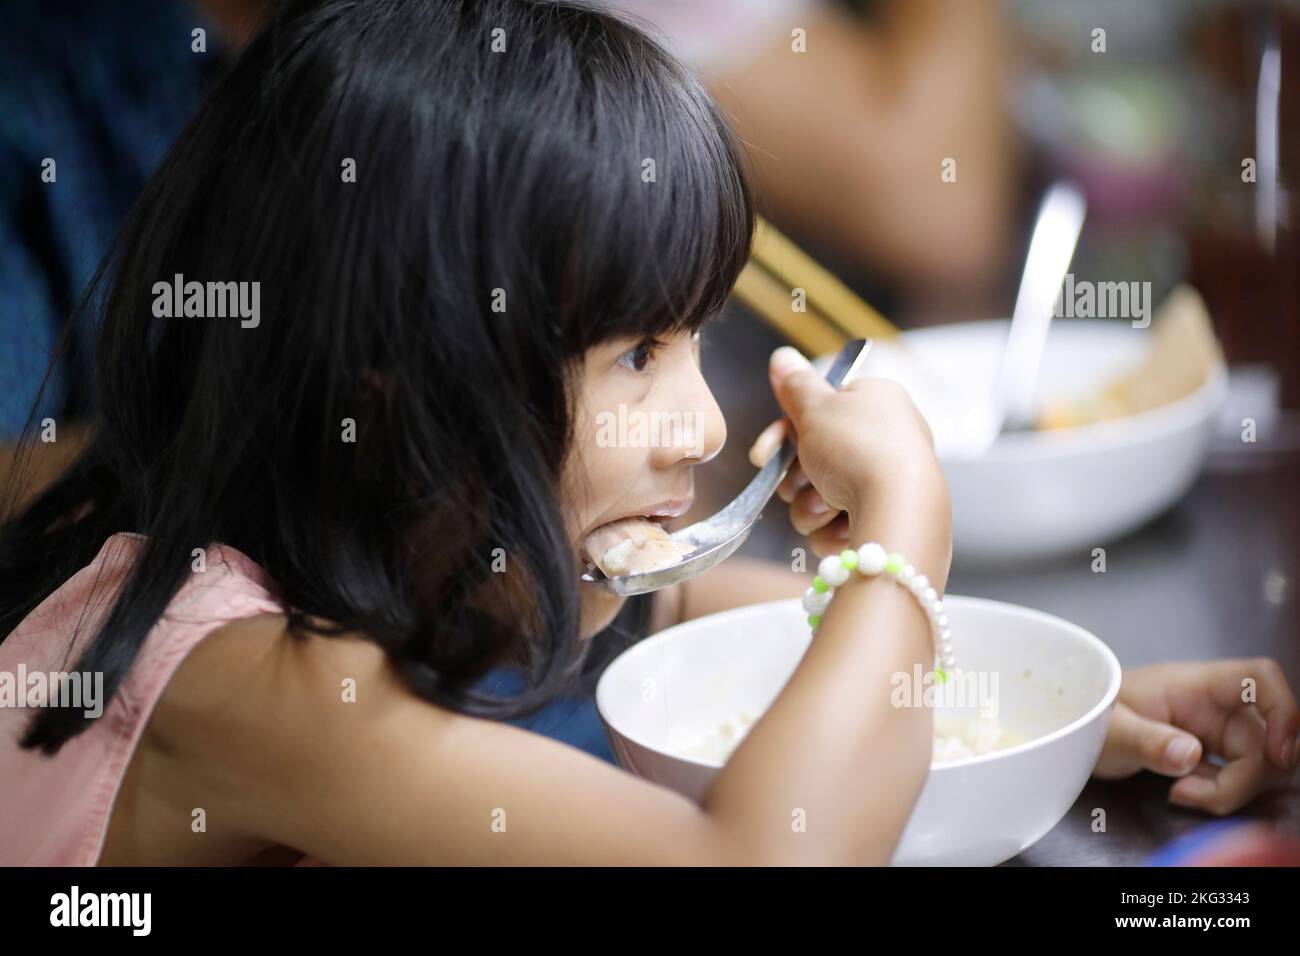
[[660, 513], [666, 511], [637, 541]]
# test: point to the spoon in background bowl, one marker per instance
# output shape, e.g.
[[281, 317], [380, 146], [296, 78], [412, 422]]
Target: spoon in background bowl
[[1051, 249]]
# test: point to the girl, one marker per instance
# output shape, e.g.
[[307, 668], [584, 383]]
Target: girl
[[295, 546]]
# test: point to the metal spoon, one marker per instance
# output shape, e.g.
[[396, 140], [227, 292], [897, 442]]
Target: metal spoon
[[1011, 407], [718, 537]]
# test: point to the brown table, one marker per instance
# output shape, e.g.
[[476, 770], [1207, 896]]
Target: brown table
[[1216, 576]]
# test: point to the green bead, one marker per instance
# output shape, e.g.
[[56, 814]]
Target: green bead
[[894, 563], [820, 586], [814, 621], [849, 559], [941, 675]]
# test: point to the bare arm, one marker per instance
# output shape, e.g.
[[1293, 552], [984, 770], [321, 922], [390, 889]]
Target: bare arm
[[38, 466], [846, 140], [392, 779]]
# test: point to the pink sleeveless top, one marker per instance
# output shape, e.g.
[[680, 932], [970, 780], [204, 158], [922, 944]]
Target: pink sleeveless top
[[54, 811]]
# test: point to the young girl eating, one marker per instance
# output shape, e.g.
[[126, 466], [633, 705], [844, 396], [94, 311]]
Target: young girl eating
[[295, 546]]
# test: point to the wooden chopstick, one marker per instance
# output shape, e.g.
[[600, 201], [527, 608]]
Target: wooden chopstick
[[835, 313], [771, 300]]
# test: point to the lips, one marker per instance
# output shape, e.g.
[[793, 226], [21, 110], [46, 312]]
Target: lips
[[672, 508], [661, 512]]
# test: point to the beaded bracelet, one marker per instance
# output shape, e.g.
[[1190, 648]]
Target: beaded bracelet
[[870, 560]]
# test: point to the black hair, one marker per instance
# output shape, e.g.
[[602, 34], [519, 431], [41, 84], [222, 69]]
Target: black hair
[[482, 176]]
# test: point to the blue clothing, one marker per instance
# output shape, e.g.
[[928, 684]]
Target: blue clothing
[[102, 89], [571, 720]]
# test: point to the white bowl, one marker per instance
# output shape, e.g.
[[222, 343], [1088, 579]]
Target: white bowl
[[1056, 685], [1041, 494]]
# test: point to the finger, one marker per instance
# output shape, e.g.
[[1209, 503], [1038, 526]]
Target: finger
[[833, 538], [1221, 790], [795, 383], [1134, 743], [1249, 770], [1277, 705], [1227, 684], [795, 481], [809, 511], [767, 442]]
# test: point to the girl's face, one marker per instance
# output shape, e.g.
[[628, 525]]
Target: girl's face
[[645, 419]]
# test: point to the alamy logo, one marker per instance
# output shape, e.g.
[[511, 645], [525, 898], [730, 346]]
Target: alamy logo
[[103, 909], [209, 300], [958, 690], [1104, 300], [78, 690], [638, 429]]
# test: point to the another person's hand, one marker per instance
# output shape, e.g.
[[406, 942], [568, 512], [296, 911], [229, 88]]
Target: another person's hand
[[1171, 717]]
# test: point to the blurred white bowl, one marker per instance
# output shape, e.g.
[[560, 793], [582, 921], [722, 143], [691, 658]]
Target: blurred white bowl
[[1056, 685], [1041, 494]]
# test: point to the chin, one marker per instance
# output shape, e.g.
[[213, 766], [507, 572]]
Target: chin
[[599, 608]]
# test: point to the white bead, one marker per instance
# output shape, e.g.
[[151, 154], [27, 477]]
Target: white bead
[[945, 635], [943, 618], [920, 583], [871, 559], [949, 662], [815, 603], [937, 608], [907, 574], [833, 571], [930, 596]]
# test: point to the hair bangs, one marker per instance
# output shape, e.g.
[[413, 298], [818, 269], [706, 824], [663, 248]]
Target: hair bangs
[[667, 218]]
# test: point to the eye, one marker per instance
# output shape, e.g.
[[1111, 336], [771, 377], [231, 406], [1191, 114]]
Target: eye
[[636, 359]]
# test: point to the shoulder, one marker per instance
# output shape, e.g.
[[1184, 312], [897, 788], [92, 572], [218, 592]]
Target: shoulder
[[252, 675], [254, 709]]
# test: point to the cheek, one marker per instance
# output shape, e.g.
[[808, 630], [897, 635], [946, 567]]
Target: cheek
[[612, 466], [599, 473]]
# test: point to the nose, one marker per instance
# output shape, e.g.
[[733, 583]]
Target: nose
[[697, 429]]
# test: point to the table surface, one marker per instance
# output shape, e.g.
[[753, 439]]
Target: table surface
[[1214, 577]]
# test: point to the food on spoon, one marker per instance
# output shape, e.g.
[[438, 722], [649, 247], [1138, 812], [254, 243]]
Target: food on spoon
[[634, 546], [1183, 353]]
